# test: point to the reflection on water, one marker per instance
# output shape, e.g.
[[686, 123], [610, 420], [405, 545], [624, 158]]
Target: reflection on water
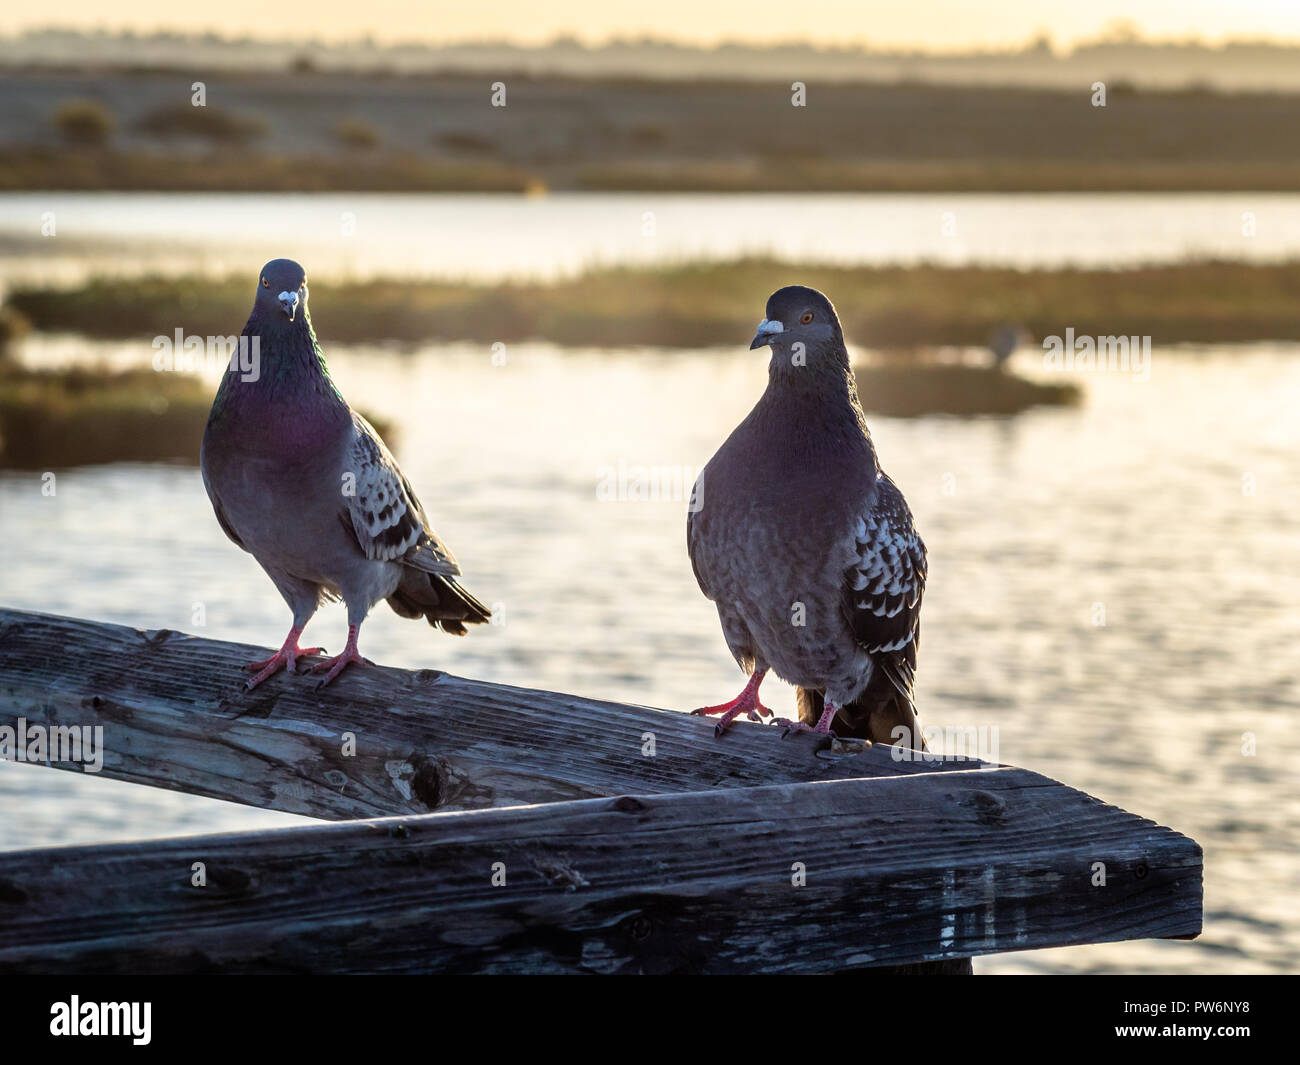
[[457, 235], [1170, 505]]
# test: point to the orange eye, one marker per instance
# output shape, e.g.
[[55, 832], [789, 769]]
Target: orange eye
[[807, 317], [265, 283]]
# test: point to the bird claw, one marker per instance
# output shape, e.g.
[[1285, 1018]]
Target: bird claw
[[285, 658], [253, 682], [730, 711], [281, 659], [800, 726], [310, 652], [747, 702], [720, 729], [332, 667], [758, 712], [705, 711]]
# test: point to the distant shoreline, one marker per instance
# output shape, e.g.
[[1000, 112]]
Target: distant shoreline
[[703, 304], [1236, 63], [98, 129], [39, 169]]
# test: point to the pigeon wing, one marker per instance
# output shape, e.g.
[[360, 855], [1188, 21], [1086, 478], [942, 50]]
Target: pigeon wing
[[882, 590], [383, 512], [695, 536], [222, 519]]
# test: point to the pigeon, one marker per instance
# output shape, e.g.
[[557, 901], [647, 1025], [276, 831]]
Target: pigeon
[[305, 485], [805, 545]]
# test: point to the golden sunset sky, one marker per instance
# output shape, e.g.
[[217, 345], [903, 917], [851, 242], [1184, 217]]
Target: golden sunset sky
[[928, 24]]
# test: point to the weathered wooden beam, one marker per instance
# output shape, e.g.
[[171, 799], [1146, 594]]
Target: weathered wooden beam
[[175, 715], [897, 870]]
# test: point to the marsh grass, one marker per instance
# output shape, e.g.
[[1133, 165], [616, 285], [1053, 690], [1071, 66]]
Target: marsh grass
[[85, 415], [244, 171], [703, 304], [915, 389], [650, 134]]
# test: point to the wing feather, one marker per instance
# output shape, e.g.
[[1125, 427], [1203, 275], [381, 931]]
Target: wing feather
[[882, 590], [383, 511]]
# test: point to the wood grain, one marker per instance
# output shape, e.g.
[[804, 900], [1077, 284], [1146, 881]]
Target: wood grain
[[176, 715], [899, 870]]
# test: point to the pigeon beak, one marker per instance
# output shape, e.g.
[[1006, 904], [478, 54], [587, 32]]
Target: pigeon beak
[[288, 303], [767, 329]]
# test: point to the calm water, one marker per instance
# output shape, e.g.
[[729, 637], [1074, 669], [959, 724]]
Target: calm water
[[361, 235], [1140, 501]]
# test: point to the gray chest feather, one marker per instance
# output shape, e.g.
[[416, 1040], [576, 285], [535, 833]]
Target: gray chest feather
[[776, 578]]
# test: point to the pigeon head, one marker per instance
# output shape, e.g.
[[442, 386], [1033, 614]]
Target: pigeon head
[[797, 315], [281, 291]]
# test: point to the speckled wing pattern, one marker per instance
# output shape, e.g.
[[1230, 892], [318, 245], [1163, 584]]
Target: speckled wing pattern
[[883, 588], [383, 511]]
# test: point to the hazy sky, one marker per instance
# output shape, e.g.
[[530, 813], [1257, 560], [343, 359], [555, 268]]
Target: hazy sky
[[941, 24]]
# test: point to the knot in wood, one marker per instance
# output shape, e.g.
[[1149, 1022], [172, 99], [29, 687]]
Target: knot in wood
[[989, 809], [640, 927]]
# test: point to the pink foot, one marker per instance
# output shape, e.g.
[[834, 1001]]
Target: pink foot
[[747, 702], [332, 667], [285, 658], [823, 726]]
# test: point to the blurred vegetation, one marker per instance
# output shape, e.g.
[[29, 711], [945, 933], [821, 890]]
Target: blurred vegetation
[[357, 135], [85, 415], [912, 389], [245, 171], [84, 122], [701, 304], [631, 134], [467, 142], [804, 174], [12, 326], [53, 418], [74, 167], [212, 124]]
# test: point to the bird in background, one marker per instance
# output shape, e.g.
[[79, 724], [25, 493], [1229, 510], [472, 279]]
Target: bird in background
[[305, 485], [806, 546], [1004, 341]]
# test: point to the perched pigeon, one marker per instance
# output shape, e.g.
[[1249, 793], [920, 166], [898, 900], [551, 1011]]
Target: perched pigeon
[[304, 484], [806, 546]]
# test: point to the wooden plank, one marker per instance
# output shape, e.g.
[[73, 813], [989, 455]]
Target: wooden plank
[[898, 870], [175, 714]]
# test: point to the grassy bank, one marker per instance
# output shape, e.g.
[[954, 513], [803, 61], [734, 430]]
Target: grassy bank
[[59, 169], [915, 389], [69, 418], [52, 419], [707, 304], [84, 416], [51, 169], [285, 131]]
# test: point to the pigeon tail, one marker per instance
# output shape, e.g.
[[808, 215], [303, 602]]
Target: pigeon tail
[[876, 714], [439, 599]]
